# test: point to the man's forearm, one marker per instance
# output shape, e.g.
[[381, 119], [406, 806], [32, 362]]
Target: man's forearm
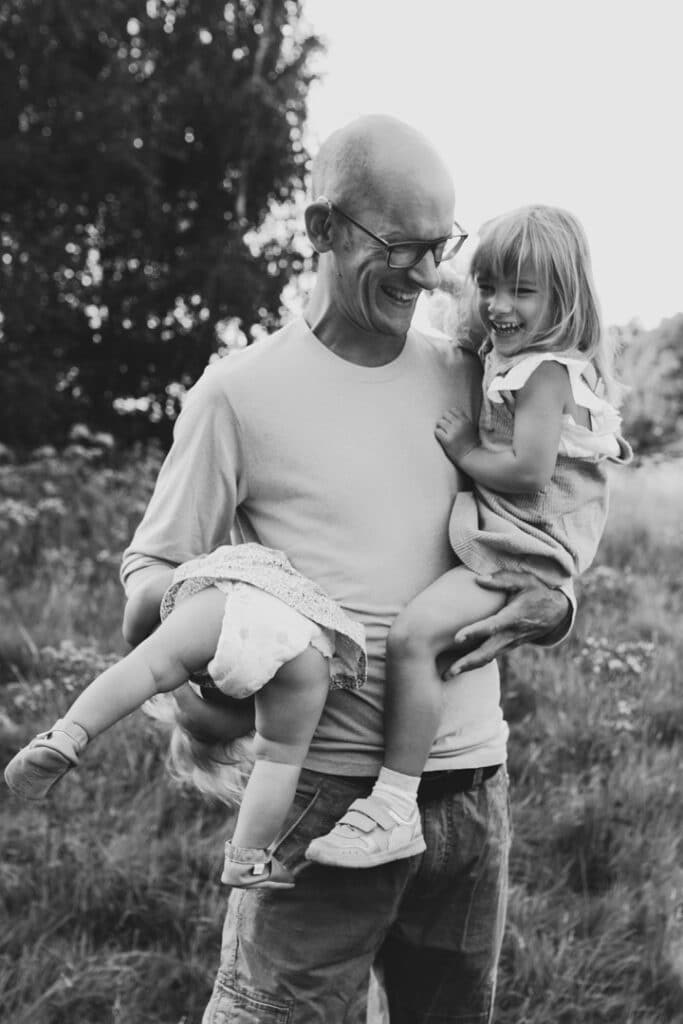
[[145, 590]]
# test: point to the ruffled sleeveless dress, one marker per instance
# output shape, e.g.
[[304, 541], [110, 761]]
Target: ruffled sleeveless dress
[[553, 533]]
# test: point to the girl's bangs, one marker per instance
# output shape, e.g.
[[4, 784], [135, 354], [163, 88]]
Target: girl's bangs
[[504, 248]]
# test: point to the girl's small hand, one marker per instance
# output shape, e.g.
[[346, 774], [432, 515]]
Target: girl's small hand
[[456, 434]]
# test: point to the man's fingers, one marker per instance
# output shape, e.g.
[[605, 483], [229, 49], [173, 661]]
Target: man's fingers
[[506, 580], [532, 609], [488, 651], [505, 620], [476, 632]]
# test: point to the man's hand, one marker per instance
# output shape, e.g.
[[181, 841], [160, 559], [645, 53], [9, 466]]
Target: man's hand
[[456, 434], [533, 611]]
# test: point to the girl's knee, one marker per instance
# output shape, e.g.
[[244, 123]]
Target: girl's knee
[[281, 750], [411, 636]]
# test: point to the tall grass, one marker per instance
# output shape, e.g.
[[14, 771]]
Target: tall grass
[[110, 904]]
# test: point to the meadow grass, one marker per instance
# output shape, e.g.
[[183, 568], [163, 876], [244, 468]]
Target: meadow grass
[[111, 906]]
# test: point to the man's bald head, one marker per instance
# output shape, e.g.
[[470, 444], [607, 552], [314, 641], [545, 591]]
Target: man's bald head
[[388, 188], [374, 156]]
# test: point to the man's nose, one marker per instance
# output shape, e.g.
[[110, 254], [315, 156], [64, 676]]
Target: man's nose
[[425, 273]]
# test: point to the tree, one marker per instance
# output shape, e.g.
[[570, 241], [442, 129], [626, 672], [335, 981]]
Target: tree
[[140, 145], [651, 364]]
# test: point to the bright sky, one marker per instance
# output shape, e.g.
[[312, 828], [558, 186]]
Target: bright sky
[[578, 103]]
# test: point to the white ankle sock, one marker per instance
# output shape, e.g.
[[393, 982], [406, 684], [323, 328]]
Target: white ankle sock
[[397, 790]]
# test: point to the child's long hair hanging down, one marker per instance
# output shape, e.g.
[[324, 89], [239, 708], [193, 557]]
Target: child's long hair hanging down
[[217, 769]]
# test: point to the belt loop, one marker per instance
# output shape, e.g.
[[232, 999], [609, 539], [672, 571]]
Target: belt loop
[[478, 777]]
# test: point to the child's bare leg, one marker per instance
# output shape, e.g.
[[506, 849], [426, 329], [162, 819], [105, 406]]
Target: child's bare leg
[[183, 643], [414, 688], [288, 710], [386, 826]]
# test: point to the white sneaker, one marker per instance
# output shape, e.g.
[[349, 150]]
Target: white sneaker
[[370, 833]]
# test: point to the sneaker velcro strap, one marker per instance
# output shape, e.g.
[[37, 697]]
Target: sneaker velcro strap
[[366, 814]]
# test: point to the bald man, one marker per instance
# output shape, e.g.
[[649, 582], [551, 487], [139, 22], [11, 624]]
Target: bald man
[[319, 441]]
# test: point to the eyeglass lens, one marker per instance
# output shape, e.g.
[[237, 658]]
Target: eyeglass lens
[[402, 257]]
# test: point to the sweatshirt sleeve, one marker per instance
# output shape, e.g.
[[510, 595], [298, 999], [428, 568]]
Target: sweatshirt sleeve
[[200, 484]]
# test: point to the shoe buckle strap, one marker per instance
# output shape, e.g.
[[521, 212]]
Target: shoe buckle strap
[[366, 814]]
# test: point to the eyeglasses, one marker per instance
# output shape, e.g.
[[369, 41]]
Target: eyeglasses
[[407, 254]]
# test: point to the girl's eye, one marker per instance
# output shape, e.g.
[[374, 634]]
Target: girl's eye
[[484, 288]]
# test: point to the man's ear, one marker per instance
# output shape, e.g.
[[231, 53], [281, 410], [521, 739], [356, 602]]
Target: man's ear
[[318, 219]]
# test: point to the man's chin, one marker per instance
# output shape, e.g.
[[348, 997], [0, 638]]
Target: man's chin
[[395, 322]]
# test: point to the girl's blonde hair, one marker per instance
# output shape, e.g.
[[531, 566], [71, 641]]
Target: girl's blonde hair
[[217, 770], [551, 243]]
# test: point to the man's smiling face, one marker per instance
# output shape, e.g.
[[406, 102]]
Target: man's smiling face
[[373, 296]]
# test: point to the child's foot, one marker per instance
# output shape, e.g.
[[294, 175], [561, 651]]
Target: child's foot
[[33, 772], [368, 834], [247, 868]]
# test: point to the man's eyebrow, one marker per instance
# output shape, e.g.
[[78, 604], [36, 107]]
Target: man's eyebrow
[[395, 236]]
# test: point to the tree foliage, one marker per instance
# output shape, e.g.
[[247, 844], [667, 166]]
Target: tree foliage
[[140, 144], [651, 365]]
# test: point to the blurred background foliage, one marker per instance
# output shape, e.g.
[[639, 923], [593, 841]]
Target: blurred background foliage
[[651, 364], [152, 162], [142, 144]]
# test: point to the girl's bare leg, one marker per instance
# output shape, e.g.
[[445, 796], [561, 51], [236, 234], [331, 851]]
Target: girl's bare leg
[[184, 643], [414, 687], [288, 710], [386, 826]]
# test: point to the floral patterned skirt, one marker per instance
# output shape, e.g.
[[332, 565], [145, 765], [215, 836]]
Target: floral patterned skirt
[[272, 613]]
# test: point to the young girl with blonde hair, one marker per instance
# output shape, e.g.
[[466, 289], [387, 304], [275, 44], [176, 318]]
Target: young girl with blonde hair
[[537, 460]]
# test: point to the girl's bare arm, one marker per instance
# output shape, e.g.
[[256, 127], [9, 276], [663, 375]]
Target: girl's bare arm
[[528, 465]]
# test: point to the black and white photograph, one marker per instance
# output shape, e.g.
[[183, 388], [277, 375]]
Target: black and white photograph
[[339, 660]]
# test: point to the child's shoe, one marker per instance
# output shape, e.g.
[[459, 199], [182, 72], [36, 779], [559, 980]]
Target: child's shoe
[[368, 834], [247, 868], [33, 772]]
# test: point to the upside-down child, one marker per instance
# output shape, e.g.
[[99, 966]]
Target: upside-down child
[[537, 456], [251, 617]]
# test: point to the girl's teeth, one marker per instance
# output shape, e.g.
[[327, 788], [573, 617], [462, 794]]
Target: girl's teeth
[[505, 328]]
